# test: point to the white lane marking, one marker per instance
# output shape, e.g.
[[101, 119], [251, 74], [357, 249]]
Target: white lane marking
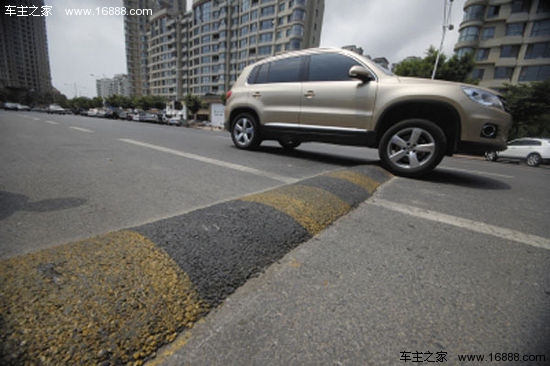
[[221, 163], [52, 122], [81, 129], [478, 172], [476, 226]]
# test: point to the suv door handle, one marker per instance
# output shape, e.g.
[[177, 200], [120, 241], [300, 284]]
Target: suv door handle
[[256, 95], [309, 94]]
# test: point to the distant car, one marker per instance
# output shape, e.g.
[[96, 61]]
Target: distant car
[[11, 106], [534, 151], [22, 107], [56, 109], [139, 117], [151, 117], [175, 120]]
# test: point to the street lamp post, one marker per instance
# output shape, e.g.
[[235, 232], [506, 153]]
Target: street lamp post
[[447, 8]]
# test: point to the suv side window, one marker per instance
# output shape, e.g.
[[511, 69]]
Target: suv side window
[[330, 67], [285, 71], [280, 71], [258, 75]]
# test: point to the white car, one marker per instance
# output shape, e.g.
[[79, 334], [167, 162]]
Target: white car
[[533, 151]]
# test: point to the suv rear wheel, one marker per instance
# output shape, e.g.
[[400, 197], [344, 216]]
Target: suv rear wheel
[[412, 147], [245, 132]]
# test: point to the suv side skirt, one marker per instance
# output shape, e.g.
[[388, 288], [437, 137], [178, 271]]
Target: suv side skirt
[[306, 133]]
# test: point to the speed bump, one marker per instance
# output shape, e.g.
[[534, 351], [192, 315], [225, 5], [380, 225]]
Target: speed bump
[[115, 297], [118, 297]]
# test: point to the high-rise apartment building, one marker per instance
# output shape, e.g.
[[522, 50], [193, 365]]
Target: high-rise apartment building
[[202, 51], [137, 32], [510, 40], [118, 85], [225, 36], [24, 60]]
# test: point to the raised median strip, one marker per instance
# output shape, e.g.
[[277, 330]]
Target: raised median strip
[[118, 297]]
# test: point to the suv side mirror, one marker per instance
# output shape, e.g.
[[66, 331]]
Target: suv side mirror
[[359, 72]]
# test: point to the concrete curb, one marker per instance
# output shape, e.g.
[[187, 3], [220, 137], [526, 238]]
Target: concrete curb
[[118, 297]]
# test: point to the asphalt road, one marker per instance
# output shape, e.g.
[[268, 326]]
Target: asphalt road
[[64, 178], [456, 262]]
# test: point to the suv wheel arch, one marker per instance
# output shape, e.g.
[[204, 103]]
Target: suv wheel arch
[[444, 115]]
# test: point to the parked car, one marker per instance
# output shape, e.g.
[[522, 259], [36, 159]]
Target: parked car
[[151, 117], [23, 107], [139, 117], [338, 96], [534, 151], [56, 109], [11, 106], [175, 120]]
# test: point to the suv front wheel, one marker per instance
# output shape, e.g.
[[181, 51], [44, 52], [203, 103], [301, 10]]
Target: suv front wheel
[[245, 132], [412, 147]]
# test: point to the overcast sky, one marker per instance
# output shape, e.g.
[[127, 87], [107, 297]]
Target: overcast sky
[[84, 48]]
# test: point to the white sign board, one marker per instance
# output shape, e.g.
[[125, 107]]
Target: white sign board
[[217, 114]]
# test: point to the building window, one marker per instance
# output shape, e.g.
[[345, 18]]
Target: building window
[[482, 54], [298, 15], [534, 73], [267, 24], [469, 34], [474, 12], [464, 51], [477, 74], [521, 6], [266, 37], [493, 11], [541, 28], [268, 10], [515, 29], [538, 50], [264, 50], [488, 33], [503, 72], [509, 51]]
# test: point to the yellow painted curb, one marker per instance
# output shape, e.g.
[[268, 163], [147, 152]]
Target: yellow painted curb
[[313, 208], [358, 179], [115, 298]]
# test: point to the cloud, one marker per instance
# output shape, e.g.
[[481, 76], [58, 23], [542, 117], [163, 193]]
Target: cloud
[[394, 29]]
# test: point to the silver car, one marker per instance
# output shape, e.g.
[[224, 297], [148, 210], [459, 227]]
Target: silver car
[[338, 96]]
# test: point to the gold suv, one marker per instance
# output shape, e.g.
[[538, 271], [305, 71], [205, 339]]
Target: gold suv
[[337, 96]]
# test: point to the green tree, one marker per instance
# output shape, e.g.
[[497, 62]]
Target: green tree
[[193, 104], [80, 103], [453, 69], [529, 105], [97, 102], [147, 102]]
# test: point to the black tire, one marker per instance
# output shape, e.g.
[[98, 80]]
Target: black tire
[[533, 159], [289, 144], [491, 156], [245, 132], [412, 148]]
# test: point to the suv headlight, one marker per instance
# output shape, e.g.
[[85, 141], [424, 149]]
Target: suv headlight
[[483, 97]]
